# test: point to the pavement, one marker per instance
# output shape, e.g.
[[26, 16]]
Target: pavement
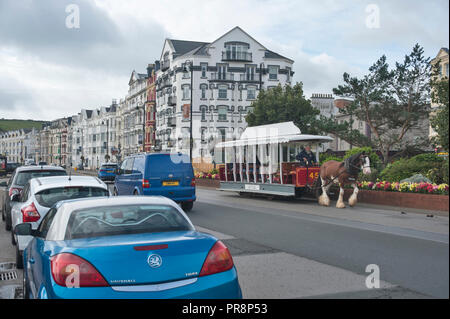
[[297, 249]]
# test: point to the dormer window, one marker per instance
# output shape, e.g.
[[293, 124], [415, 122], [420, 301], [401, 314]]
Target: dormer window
[[237, 51]]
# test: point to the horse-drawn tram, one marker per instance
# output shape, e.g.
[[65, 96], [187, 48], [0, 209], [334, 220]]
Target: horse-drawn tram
[[274, 160]]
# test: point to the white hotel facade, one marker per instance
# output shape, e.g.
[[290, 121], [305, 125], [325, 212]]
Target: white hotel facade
[[227, 76]]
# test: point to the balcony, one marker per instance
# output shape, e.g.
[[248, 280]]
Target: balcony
[[249, 77], [237, 56], [165, 65], [222, 76], [171, 121], [172, 100]]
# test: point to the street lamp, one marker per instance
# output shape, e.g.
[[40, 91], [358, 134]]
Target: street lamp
[[190, 67]]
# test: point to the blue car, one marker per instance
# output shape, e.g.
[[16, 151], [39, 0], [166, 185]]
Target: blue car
[[124, 247], [107, 172], [158, 174]]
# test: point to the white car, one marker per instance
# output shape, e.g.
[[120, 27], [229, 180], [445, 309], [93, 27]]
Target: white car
[[40, 194]]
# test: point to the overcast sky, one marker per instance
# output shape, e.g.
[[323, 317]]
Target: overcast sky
[[48, 70]]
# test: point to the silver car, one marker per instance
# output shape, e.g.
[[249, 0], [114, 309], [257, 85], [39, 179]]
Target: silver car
[[40, 194]]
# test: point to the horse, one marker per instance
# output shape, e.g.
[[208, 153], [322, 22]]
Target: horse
[[343, 173]]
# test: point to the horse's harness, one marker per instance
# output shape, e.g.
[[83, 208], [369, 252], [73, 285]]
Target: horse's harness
[[350, 169]]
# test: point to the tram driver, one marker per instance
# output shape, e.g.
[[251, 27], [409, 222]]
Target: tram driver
[[306, 157]]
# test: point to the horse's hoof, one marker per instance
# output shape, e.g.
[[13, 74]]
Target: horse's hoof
[[352, 201], [340, 205], [324, 201]]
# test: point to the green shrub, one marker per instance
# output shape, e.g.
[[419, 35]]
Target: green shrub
[[324, 157], [429, 165]]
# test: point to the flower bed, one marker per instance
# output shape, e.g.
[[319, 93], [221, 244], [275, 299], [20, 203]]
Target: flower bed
[[422, 188]]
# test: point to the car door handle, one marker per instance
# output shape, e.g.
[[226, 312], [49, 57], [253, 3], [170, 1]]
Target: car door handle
[[31, 261]]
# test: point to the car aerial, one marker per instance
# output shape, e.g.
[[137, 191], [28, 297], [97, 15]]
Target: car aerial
[[157, 174], [18, 180], [124, 247], [40, 194], [107, 171]]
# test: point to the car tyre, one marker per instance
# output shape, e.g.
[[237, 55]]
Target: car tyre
[[7, 224], [19, 258], [187, 206], [13, 239], [25, 290], [115, 192]]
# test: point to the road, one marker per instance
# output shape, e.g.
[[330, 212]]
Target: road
[[297, 249]]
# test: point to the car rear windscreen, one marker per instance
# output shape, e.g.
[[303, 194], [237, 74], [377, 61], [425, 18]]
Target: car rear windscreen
[[49, 197], [125, 219], [108, 166], [23, 177], [173, 163]]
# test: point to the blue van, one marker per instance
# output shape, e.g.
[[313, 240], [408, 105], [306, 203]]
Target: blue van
[[165, 174]]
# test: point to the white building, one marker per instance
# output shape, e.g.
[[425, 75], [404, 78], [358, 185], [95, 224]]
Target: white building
[[227, 76]]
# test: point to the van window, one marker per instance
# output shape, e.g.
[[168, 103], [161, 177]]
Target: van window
[[139, 165], [129, 166], [172, 163]]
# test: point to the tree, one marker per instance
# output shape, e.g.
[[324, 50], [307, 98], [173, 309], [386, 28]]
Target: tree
[[439, 121], [391, 102], [284, 104]]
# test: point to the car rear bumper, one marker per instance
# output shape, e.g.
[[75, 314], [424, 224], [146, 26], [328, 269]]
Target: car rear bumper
[[186, 194], [224, 285]]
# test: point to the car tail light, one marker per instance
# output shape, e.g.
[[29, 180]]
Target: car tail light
[[14, 190], [218, 260], [193, 182], [145, 183], [30, 214], [69, 270]]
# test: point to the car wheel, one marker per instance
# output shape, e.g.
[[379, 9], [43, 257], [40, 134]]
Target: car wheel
[[187, 206], [19, 259], [25, 291], [136, 193], [7, 224], [13, 240], [115, 192]]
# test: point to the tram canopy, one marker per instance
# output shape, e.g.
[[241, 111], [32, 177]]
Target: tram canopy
[[279, 133]]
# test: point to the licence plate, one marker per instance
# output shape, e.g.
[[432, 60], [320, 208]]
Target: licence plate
[[171, 183]]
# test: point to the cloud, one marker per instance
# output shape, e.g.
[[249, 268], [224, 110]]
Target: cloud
[[54, 71]]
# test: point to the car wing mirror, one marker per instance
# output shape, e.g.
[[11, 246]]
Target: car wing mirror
[[23, 230], [15, 197]]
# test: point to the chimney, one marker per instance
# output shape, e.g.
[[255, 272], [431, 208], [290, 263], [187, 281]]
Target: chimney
[[150, 68], [157, 65]]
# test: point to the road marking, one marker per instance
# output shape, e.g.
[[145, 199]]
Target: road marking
[[216, 234]]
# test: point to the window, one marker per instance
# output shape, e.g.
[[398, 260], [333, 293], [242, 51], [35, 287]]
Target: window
[[204, 69], [251, 93], [273, 72], [49, 197], [222, 71], [124, 219], [203, 110], [288, 76], [186, 92], [203, 87], [222, 110], [203, 134], [223, 91], [250, 73]]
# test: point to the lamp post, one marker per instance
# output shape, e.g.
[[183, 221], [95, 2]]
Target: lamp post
[[190, 67], [107, 137]]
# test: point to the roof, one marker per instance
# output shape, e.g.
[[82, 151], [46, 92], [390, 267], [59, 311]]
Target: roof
[[39, 168], [65, 209], [182, 47], [42, 183], [273, 55], [278, 133]]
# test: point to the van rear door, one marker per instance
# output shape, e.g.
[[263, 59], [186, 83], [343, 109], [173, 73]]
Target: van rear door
[[170, 175]]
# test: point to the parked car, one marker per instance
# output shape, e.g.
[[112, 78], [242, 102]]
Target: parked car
[[42, 163], [164, 174], [124, 247], [107, 171], [19, 179], [30, 162], [11, 166], [3, 165], [39, 194]]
